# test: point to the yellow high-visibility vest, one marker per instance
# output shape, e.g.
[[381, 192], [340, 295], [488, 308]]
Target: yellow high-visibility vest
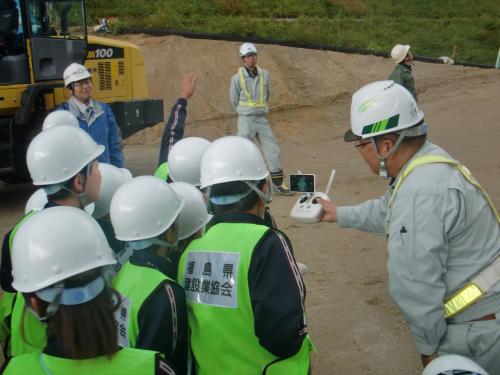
[[471, 292], [243, 85]]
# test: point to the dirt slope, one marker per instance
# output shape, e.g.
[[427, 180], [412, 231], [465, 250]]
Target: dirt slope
[[352, 319]]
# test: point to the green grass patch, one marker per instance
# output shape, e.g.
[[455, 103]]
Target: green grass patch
[[468, 30]]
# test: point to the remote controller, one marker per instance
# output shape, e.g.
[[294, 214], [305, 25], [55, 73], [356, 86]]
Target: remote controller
[[307, 209]]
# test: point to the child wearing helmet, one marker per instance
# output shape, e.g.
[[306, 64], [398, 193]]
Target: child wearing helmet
[[244, 291], [61, 276], [61, 160], [144, 214]]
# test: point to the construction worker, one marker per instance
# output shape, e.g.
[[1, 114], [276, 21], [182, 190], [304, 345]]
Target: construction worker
[[174, 128], [95, 117], [402, 74], [153, 314], [249, 96], [245, 295], [60, 274], [62, 160], [443, 231]]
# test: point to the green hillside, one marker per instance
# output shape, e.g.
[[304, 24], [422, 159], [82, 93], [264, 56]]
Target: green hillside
[[468, 30]]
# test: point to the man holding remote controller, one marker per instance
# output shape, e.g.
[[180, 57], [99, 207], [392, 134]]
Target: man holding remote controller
[[442, 229]]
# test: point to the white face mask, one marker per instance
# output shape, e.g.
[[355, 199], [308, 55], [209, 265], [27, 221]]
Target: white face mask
[[144, 244], [267, 197]]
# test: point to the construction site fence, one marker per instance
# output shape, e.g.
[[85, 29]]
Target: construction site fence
[[286, 43]]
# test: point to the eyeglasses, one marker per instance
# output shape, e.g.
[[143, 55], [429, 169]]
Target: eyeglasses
[[359, 145], [87, 81]]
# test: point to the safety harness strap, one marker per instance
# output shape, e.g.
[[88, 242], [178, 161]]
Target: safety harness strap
[[431, 159], [250, 102], [490, 275]]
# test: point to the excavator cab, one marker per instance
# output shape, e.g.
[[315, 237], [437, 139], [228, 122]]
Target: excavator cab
[[38, 39]]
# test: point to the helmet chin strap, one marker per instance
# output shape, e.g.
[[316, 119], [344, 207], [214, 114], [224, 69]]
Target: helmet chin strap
[[82, 197], [383, 166], [266, 197]]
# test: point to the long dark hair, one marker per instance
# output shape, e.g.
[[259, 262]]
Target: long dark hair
[[87, 330]]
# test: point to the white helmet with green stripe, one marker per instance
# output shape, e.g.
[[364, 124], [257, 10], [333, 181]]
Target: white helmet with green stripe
[[383, 107]]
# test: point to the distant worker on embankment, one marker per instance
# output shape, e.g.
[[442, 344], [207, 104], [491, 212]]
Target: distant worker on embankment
[[249, 96], [402, 72]]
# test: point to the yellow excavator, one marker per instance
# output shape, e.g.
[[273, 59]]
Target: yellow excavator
[[38, 40]]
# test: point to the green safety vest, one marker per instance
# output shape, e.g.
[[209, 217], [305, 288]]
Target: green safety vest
[[214, 273], [27, 332], [125, 361], [243, 85], [470, 293], [162, 171], [6, 303], [16, 228], [135, 284]]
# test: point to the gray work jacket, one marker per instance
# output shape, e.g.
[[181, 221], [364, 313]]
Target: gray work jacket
[[441, 232], [402, 74]]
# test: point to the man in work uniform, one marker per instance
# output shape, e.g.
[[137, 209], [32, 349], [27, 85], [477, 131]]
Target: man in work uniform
[[402, 73], [153, 315], [95, 117], [249, 96], [442, 229], [62, 160], [244, 291]]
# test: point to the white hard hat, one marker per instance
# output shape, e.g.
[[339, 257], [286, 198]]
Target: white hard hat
[[60, 117], [74, 73], [55, 244], [194, 215], [247, 49], [451, 362], [383, 107], [399, 52], [184, 160], [144, 208], [59, 153], [232, 158], [111, 179], [38, 200]]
